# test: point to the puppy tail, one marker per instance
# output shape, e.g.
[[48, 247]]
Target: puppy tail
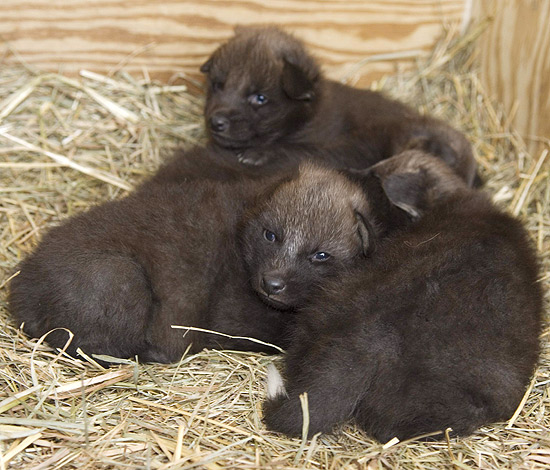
[[275, 383]]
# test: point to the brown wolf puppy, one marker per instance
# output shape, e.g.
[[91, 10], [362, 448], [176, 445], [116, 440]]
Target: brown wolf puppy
[[438, 329], [231, 256], [267, 97]]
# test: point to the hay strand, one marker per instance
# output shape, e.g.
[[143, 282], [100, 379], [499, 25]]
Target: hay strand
[[203, 330], [64, 161]]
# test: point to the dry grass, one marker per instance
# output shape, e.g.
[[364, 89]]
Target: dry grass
[[67, 144]]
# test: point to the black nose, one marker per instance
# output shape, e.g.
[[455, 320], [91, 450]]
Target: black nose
[[272, 285], [219, 123]]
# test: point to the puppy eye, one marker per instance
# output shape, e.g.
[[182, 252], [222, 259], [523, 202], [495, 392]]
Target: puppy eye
[[270, 236], [217, 85], [257, 99], [320, 256]]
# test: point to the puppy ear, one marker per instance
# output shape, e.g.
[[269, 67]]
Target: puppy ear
[[407, 191], [205, 68], [296, 84], [366, 233]]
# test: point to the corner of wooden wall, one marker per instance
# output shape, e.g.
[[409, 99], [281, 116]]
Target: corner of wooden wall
[[514, 55]]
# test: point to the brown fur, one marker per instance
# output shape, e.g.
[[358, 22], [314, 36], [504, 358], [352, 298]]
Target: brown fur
[[440, 328], [192, 251], [302, 110]]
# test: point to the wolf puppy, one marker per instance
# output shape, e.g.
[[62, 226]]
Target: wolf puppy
[[439, 329], [231, 256], [266, 97]]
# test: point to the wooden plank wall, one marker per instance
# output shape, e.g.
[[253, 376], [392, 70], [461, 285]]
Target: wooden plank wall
[[515, 62], [172, 36]]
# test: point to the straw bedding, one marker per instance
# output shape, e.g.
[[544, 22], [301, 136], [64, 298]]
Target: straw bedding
[[66, 144]]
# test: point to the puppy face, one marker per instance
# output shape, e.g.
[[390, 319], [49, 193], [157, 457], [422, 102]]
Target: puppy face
[[262, 87], [309, 229]]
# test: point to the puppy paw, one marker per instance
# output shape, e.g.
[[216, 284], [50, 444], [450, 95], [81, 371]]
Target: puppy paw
[[275, 383], [252, 158]]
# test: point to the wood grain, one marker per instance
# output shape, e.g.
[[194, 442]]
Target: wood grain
[[515, 62], [175, 36]]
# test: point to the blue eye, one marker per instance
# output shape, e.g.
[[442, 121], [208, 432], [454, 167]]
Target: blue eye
[[269, 236], [320, 256], [257, 99]]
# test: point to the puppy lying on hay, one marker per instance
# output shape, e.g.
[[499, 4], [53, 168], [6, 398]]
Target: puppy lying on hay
[[439, 328], [231, 255], [266, 98]]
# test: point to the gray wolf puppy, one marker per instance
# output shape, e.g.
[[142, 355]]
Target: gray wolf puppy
[[438, 329], [267, 97], [226, 253]]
